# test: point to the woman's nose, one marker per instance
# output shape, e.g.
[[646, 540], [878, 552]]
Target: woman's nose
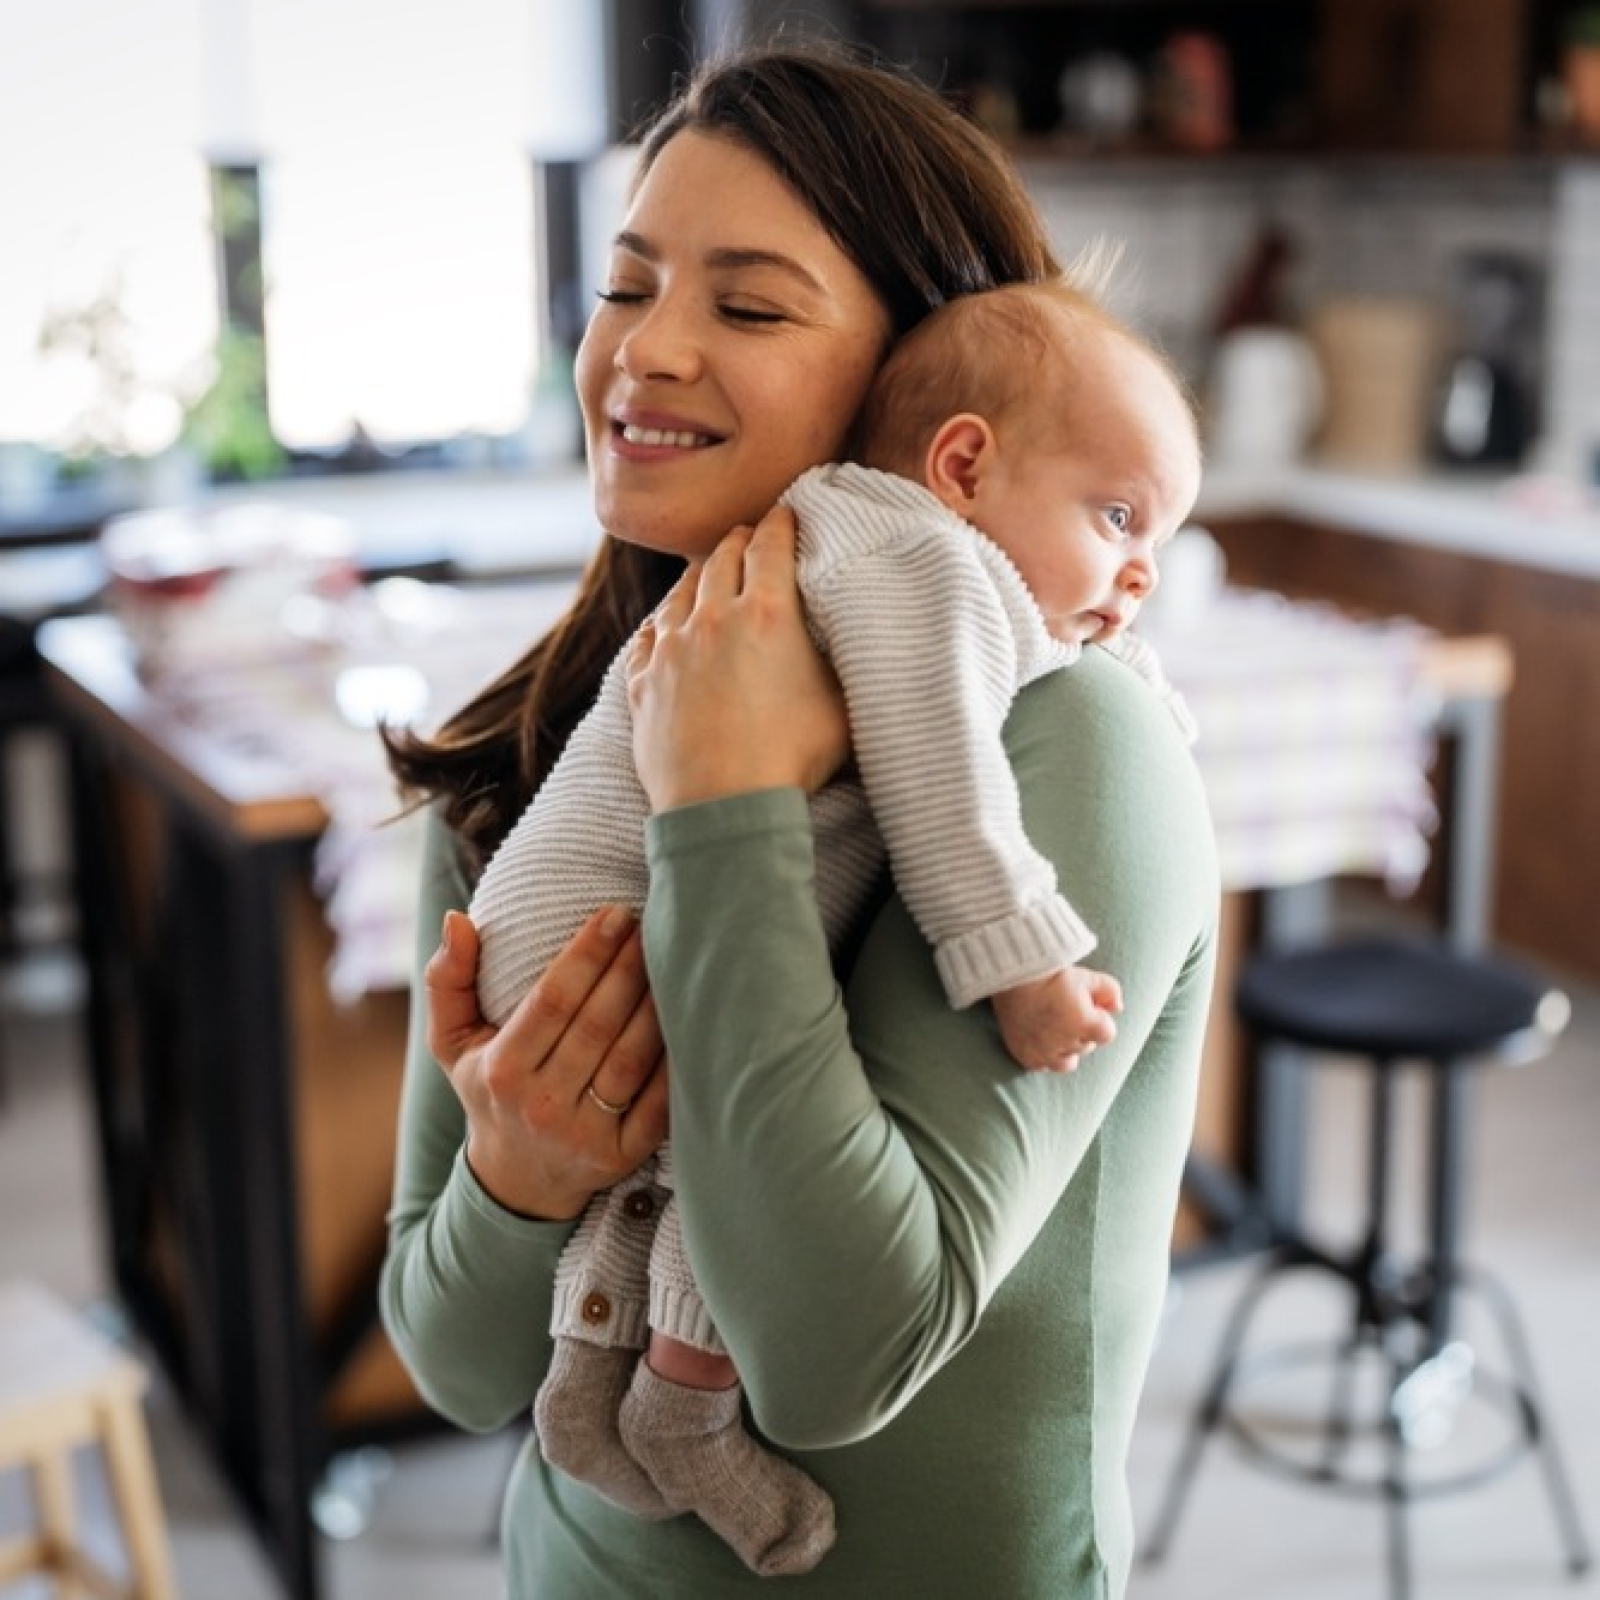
[[658, 345]]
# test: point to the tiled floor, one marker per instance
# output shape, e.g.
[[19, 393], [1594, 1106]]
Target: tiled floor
[[1245, 1536]]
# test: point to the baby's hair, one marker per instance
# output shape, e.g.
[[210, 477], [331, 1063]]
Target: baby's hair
[[1000, 354]]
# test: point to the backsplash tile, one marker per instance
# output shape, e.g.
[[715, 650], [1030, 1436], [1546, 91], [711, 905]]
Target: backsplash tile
[[1360, 228]]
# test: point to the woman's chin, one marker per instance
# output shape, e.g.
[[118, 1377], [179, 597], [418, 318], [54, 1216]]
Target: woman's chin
[[646, 525], [664, 539]]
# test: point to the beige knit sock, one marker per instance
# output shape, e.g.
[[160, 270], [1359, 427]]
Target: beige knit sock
[[694, 1446], [575, 1414]]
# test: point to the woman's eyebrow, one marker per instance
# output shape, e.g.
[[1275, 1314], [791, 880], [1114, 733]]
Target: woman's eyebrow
[[725, 258], [737, 258]]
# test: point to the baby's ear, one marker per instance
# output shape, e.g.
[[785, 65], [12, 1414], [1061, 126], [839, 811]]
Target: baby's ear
[[962, 450]]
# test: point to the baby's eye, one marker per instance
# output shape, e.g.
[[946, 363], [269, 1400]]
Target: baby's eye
[[1119, 517]]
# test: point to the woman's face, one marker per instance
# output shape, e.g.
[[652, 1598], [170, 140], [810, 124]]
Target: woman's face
[[732, 345]]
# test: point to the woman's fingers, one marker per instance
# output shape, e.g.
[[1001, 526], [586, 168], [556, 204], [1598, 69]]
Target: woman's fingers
[[678, 605], [584, 1038], [749, 560], [450, 977], [722, 573], [582, 1005], [770, 555], [728, 691]]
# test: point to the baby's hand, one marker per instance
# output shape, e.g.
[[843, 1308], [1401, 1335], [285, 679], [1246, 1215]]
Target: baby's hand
[[1051, 1024]]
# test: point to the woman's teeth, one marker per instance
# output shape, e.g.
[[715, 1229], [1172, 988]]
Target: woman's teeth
[[678, 439]]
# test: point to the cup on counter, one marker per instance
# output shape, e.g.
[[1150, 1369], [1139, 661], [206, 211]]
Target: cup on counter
[[1193, 571]]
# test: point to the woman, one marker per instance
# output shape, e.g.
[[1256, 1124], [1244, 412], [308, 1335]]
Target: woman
[[938, 1276]]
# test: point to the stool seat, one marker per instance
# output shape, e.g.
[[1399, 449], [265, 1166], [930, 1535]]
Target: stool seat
[[64, 1386], [1394, 997]]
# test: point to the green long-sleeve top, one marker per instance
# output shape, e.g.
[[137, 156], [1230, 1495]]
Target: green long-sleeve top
[[939, 1275]]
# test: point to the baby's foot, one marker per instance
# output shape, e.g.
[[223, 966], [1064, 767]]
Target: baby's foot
[[576, 1415], [694, 1446]]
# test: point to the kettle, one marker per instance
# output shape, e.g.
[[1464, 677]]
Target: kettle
[[1484, 414]]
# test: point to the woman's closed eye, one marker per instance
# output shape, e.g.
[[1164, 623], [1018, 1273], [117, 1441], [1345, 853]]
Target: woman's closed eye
[[761, 316], [730, 311]]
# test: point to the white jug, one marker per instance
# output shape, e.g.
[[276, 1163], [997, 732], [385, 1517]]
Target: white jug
[[1264, 399]]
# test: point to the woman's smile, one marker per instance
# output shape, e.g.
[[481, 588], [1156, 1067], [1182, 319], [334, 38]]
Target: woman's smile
[[662, 438], [640, 433]]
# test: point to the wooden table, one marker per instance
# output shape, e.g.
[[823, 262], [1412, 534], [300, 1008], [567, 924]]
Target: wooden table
[[246, 1121]]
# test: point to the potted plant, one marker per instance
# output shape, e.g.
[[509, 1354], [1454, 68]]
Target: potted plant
[[227, 426]]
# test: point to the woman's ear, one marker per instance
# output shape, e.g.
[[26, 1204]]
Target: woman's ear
[[962, 451]]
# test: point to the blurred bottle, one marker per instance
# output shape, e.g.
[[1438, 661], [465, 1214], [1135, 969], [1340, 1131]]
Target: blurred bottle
[[1192, 92], [1264, 391]]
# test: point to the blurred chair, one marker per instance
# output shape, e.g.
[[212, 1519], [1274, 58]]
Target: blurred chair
[[63, 1386], [1389, 1002]]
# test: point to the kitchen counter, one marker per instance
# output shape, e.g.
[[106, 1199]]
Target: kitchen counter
[[494, 524], [483, 524], [1523, 520], [499, 523]]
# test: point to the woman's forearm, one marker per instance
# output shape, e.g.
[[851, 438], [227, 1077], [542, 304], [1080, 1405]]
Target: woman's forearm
[[459, 1268]]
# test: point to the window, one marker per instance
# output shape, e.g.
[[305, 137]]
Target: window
[[104, 201], [397, 201]]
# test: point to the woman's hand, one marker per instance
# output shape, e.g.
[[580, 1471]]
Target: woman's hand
[[571, 1094], [729, 693]]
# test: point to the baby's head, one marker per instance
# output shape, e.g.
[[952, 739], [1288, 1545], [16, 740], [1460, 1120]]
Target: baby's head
[[1052, 427], [1025, 357]]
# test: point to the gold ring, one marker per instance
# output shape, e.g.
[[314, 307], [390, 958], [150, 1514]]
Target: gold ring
[[610, 1107]]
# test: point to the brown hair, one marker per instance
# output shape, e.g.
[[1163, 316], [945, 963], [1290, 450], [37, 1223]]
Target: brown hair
[[925, 205]]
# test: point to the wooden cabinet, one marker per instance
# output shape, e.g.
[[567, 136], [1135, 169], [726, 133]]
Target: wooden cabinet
[[1316, 77], [1547, 868], [1424, 75], [1013, 57], [1326, 76]]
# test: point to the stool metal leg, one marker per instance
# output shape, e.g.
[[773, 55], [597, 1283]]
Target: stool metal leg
[[1371, 1314], [1563, 1502], [1208, 1414], [1451, 1109], [1337, 1433], [1397, 1497]]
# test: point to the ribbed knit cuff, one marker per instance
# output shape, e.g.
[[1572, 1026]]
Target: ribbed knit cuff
[[1039, 939]]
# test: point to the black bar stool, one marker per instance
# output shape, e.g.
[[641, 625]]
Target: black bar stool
[[1390, 1001]]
